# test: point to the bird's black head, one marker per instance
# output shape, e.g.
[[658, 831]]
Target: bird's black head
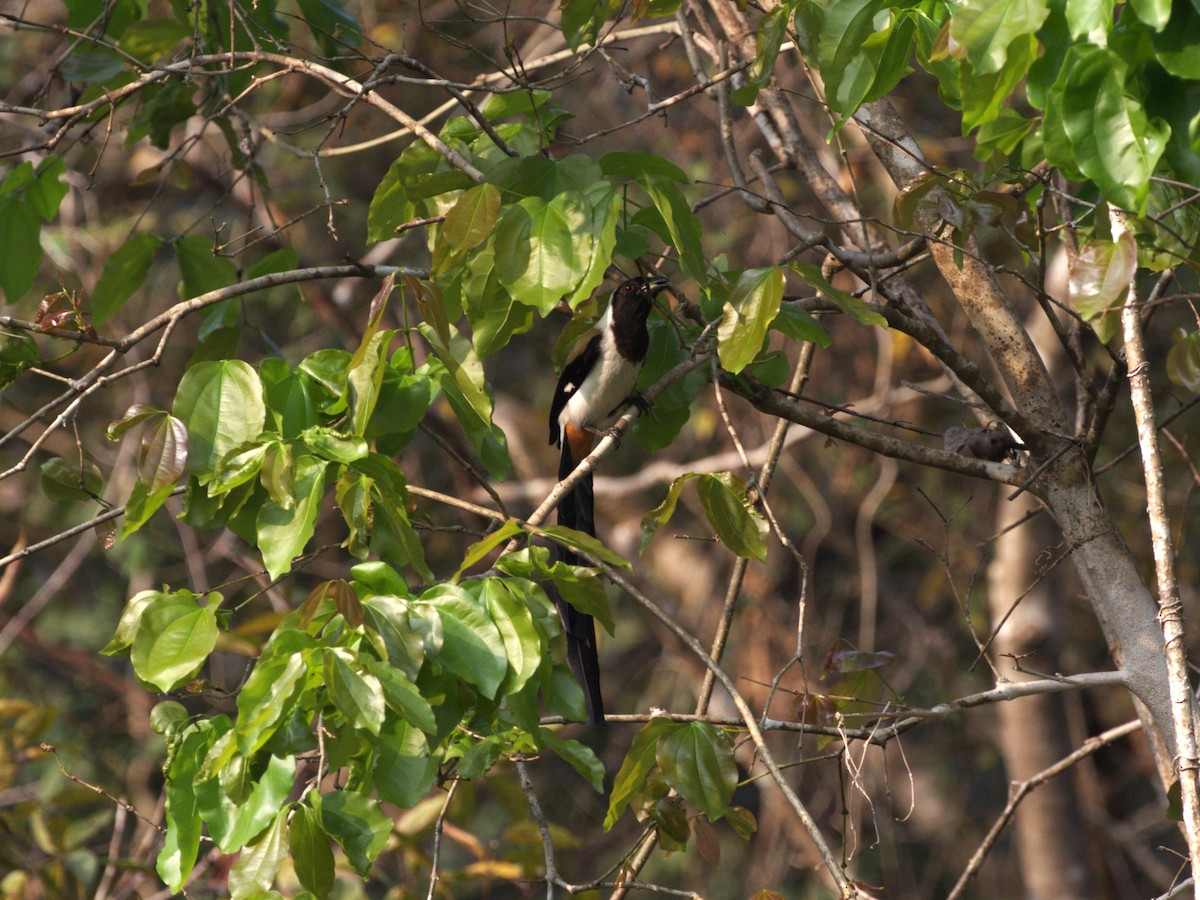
[[633, 298], [630, 307]]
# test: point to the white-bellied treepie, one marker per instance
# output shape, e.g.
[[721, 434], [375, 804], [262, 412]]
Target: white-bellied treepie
[[598, 377]]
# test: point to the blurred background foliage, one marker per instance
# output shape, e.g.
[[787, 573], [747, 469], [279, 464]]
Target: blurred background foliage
[[896, 554]]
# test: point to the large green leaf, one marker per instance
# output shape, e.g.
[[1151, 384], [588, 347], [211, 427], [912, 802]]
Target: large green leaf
[[401, 695], [181, 845], [124, 271], [681, 223], [20, 248], [269, 695], [544, 248], [737, 523], [200, 268], [580, 757], [1115, 143], [254, 871], [174, 637], [282, 532], [635, 770], [985, 29], [697, 760], [244, 798], [356, 822], [401, 634], [514, 621], [747, 316], [312, 855], [355, 692], [402, 771], [472, 647], [221, 403]]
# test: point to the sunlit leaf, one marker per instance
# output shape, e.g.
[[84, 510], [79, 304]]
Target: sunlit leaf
[[747, 316], [174, 637]]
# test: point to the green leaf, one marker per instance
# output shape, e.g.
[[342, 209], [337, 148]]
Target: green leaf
[[270, 693], [747, 316], [70, 481], [18, 352], [984, 29], [201, 270], [1154, 13], [654, 520], [334, 445], [356, 693], [124, 271], [737, 523], [312, 855], [472, 647], [983, 95], [20, 248], [1100, 276], [482, 548], [239, 466], [635, 770], [514, 621], [1087, 16], [544, 248], [238, 804], [284, 533], [122, 638], [585, 544], [181, 845], [636, 164], [579, 757], [461, 378], [582, 19], [844, 300], [142, 504], [162, 456], [404, 637], [799, 325], [254, 871], [221, 403], [401, 695], [697, 760], [153, 38], [357, 823], [582, 588], [1175, 46], [174, 637], [402, 770], [1183, 362], [681, 223], [1115, 144], [364, 372], [332, 25], [469, 222]]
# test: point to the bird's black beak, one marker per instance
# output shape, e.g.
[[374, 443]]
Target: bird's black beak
[[656, 284]]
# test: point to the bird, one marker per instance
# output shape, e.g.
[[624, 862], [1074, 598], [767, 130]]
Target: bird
[[597, 379]]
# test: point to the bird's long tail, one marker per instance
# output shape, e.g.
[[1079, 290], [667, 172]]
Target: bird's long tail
[[577, 510]]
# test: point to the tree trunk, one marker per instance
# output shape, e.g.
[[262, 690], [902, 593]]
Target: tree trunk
[[1051, 846]]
